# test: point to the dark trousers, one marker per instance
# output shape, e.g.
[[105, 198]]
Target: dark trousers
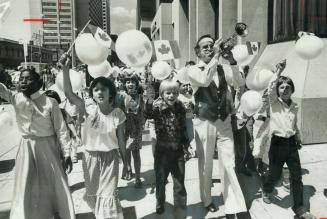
[[167, 161], [285, 150], [243, 152]]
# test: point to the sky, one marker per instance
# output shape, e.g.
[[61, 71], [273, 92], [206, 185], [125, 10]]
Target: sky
[[122, 15]]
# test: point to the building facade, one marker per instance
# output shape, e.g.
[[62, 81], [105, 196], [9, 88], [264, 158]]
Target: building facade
[[58, 31], [88, 10], [145, 12], [106, 15]]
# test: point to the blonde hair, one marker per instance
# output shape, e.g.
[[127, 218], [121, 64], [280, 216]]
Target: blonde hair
[[168, 85]]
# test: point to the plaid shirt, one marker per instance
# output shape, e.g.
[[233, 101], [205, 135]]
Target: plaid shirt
[[170, 123]]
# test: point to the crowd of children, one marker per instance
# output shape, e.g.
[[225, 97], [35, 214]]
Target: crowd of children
[[113, 118]]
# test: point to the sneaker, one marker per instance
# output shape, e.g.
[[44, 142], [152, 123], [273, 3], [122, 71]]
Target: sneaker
[[138, 184], [266, 197], [307, 215], [160, 209]]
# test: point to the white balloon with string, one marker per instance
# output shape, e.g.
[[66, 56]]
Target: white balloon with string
[[259, 78], [161, 70], [251, 102], [240, 53], [89, 51], [75, 77], [100, 70], [309, 47], [182, 75], [134, 48]]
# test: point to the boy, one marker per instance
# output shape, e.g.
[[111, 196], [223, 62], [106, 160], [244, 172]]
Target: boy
[[170, 126], [285, 142]]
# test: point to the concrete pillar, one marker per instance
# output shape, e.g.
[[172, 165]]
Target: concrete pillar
[[192, 29], [205, 19]]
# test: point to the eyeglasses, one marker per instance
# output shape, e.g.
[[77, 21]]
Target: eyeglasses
[[208, 46]]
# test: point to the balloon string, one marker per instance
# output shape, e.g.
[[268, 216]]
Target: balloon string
[[305, 77]]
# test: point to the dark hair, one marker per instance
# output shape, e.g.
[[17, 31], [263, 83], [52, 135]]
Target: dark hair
[[197, 46], [106, 83], [287, 80], [53, 94], [190, 63], [133, 78], [35, 76]]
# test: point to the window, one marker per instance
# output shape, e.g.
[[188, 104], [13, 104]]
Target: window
[[50, 28], [65, 10], [65, 4], [65, 28], [65, 22], [50, 34], [287, 18], [65, 34], [49, 10], [50, 16], [48, 3], [50, 40], [65, 16]]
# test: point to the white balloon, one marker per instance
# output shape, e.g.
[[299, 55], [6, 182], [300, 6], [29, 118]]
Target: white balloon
[[182, 75], [251, 102], [89, 51], [160, 70], [259, 78], [134, 48], [103, 69], [309, 47], [240, 53], [75, 78], [246, 61]]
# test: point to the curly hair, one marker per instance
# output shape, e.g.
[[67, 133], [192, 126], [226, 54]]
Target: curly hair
[[106, 83]]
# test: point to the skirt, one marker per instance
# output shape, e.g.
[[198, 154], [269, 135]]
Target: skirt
[[101, 171], [40, 189]]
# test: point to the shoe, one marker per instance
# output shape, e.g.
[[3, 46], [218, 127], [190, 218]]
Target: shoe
[[129, 175], [266, 197], [212, 208], [160, 209], [307, 215], [138, 184]]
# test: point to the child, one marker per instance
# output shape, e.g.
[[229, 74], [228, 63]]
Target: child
[[285, 142], [170, 126], [40, 189], [103, 137], [134, 125]]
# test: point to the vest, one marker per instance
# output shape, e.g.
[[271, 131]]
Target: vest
[[212, 102]]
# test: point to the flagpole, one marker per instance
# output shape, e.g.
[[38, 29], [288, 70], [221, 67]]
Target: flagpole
[[71, 46]]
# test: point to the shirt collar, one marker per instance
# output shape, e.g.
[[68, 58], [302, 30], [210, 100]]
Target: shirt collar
[[36, 95], [201, 64], [283, 103]]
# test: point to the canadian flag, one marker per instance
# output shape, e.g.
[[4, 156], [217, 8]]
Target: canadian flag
[[253, 47], [165, 50], [102, 37]]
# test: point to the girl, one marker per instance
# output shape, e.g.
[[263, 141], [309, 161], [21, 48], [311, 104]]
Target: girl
[[172, 141], [134, 126], [103, 137], [40, 189], [285, 142]]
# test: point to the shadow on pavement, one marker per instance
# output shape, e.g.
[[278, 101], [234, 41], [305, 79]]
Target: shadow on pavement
[[251, 192], [88, 215], [6, 165]]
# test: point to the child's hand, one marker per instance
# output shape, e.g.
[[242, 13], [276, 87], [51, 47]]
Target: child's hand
[[281, 66], [65, 60], [68, 165], [299, 145]]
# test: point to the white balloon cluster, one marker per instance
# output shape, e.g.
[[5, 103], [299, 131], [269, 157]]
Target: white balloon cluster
[[75, 78], [309, 47], [161, 70]]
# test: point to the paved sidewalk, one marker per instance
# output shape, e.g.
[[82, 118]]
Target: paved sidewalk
[[140, 203]]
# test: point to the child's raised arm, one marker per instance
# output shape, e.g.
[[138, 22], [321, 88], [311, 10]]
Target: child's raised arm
[[5, 93], [272, 92], [68, 90]]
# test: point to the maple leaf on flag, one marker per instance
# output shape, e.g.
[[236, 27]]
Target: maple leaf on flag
[[164, 49], [103, 36], [254, 47], [141, 54], [132, 59]]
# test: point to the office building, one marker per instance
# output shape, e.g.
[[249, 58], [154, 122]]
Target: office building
[[106, 15]]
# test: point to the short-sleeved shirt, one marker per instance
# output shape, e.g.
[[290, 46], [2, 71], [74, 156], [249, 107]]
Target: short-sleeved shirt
[[100, 130]]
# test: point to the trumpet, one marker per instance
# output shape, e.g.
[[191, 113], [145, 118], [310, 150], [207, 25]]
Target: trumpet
[[227, 45]]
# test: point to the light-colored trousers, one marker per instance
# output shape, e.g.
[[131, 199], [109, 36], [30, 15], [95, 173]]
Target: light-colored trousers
[[207, 133]]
